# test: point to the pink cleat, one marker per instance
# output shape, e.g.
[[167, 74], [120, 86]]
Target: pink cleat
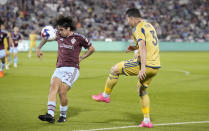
[[149, 124], [101, 98]]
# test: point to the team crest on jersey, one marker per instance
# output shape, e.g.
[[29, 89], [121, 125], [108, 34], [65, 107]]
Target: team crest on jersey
[[73, 41]]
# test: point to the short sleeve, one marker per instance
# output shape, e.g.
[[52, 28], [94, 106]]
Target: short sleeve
[[85, 42], [139, 34]]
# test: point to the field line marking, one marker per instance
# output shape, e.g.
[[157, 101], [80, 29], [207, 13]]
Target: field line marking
[[183, 71], [178, 70], [162, 124]]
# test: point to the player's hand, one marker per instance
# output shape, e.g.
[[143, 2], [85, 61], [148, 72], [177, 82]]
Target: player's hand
[[142, 74], [39, 53], [130, 48]]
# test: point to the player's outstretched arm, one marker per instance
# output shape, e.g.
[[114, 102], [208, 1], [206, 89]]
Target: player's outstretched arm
[[90, 50], [38, 49]]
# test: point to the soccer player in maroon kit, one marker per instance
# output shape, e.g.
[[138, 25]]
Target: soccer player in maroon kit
[[67, 67], [3, 42], [16, 37]]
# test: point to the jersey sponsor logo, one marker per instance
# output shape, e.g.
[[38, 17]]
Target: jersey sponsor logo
[[66, 46]]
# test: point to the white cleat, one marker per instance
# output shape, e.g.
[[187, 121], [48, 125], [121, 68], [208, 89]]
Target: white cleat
[[7, 67], [15, 65]]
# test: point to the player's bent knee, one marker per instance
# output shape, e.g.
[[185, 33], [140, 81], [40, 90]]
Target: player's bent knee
[[114, 70], [63, 94], [141, 91]]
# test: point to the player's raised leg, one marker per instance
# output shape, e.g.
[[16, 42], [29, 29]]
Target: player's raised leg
[[55, 84], [110, 83]]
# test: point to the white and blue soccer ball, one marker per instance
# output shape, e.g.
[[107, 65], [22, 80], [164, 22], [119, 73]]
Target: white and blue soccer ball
[[48, 33]]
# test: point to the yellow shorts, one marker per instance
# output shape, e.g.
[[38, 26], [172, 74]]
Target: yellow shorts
[[132, 67], [6, 48], [32, 44]]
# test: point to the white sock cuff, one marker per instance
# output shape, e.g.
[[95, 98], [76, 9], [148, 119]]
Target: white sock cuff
[[52, 103], [63, 108], [147, 119], [105, 95]]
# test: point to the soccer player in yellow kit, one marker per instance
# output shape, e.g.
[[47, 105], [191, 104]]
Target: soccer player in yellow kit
[[145, 66], [33, 38]]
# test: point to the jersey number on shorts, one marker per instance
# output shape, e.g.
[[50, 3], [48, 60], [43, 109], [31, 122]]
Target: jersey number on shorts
[[154, 37], [68, 76]]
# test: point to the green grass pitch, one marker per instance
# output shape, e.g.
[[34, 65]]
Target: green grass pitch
[[179, 93]]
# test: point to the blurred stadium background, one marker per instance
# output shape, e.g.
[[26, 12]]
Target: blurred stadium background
[[175, 20], [178, 94]]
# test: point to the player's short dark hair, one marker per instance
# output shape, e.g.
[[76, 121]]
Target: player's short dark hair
[[134, 12], [65, 21]]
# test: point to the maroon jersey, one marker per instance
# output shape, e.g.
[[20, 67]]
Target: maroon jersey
[[15, 38], [69, 49], [3, 34]]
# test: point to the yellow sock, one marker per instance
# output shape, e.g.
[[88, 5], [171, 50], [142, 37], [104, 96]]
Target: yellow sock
[[6, 60], [30, 52], [110, 83], [145, 106]]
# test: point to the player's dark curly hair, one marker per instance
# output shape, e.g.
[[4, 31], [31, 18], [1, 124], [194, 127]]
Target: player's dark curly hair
[[65, 21], [134, 12]]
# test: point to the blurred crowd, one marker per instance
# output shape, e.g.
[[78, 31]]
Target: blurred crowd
[[174, 20]]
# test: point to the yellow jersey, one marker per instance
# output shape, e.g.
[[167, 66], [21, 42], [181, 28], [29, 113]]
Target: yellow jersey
[[145, 31], [33, 37]]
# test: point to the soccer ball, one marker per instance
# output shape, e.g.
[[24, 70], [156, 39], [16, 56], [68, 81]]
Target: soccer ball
[[48, 33]]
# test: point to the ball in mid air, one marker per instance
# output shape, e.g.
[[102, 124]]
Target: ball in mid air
[[48, 33]]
